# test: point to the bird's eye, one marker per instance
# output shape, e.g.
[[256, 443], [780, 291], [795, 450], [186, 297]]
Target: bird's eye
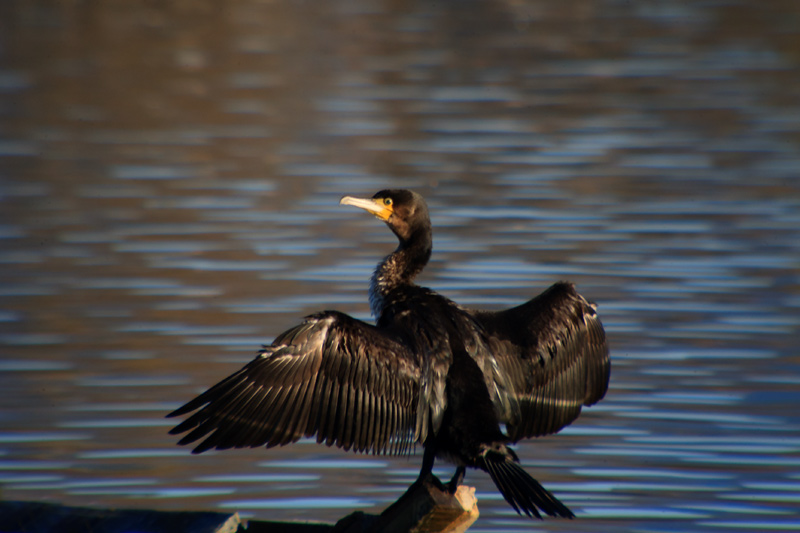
[[387, 201]]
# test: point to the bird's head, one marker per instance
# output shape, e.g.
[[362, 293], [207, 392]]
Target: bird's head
[[404, 211]]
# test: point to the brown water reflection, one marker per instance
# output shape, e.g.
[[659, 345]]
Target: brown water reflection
[[170, 176]]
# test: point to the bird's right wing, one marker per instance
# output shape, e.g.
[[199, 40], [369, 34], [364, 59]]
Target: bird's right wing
[[333, 376]]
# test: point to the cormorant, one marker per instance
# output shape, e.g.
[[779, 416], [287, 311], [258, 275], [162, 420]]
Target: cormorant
[[429, 371]]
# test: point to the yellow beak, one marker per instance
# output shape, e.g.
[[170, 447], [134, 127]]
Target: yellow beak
[[373, 205]]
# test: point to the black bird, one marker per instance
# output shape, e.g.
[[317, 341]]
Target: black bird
[[429, 371]]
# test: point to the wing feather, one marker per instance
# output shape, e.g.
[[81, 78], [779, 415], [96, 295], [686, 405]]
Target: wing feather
[[544, 360], [330, 431], [347, 383]]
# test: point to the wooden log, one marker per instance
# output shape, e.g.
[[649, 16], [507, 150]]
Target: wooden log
[[36, 517], [426, 507]]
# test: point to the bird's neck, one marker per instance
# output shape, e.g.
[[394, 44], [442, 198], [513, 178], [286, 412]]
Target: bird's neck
[[398, 269]]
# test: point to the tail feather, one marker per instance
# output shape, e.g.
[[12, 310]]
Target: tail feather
[[521, 491]]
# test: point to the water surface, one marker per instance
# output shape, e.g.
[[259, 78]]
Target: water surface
[[170, 177]]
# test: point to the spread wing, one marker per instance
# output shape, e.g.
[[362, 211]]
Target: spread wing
[[333, 376], [550, 358]]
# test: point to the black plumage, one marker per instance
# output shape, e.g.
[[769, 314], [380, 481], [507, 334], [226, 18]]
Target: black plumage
[[429, 372]]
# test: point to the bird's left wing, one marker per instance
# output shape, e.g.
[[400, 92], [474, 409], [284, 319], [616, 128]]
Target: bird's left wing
[[333, 376], [543, 360]]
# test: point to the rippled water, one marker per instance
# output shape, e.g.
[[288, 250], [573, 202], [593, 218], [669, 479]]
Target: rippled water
[[170, 177]]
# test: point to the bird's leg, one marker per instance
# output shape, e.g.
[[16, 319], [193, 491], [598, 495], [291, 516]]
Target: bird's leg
[[426, 476], [456, 480], [427, 462]]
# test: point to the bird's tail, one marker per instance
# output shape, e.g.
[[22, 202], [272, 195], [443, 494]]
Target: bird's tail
[[521, 491]]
